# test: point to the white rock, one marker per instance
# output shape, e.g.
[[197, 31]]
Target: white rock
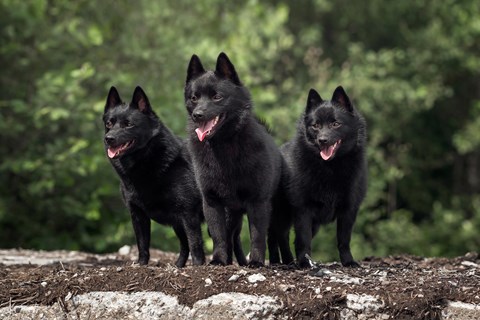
[[470, 264], [363, 302], [459, 310], [235, 305], [347, 280], [125, 250], [257, 277]]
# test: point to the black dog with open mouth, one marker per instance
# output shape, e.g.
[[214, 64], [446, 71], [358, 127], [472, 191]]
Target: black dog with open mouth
[[237, 165], [328, 171], [157, 180]]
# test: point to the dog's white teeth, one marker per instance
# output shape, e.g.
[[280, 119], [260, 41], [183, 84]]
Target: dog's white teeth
[[216, 120]]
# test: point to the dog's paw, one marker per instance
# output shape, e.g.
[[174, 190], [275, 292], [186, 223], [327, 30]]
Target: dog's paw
[[304, 264], [255, 264], [198, 261], [351, 264], [216, 262], [242, 262], [180, 263]]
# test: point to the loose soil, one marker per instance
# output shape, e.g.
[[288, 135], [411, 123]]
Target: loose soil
[[410, 287]]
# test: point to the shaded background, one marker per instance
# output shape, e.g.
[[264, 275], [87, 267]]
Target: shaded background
[[412, 68]]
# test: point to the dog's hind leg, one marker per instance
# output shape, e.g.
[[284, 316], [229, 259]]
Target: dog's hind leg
[[195, 240], [278, 239], [237, 243], [184, 251], [272, 241], [284, 245], [238, 250]]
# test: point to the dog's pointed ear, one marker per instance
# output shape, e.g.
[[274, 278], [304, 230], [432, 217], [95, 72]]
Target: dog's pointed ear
[[113, 99], [313, 100], [140, 101], [340, 97], [225, 69], [195, 68]]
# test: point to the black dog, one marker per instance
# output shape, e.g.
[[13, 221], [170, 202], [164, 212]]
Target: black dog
[[328, 171], [157, 180], [237, 164]]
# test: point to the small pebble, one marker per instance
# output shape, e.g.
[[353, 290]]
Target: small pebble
[[234, 278], [242, 272], [208, 282], [285, 287]]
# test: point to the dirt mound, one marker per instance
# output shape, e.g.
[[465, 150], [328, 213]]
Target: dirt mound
[[399, 287]]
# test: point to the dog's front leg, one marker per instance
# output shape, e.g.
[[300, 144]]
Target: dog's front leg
[[141, 227], [303, 236], [258, 221], [215, 217], [345, 221]]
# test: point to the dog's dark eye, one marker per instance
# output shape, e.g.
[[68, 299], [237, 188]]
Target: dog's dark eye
[[336, 124], [128, 124], [109, 125], [217, 97], [194, 99], [315, 126]]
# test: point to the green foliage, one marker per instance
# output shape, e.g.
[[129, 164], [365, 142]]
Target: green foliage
[[411, 67]]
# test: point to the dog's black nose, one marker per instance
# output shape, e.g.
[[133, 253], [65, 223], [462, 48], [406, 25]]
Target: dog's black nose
[[322, 141], [197, 115], [109, 140]]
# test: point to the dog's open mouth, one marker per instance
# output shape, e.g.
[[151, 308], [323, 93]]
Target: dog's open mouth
[[328, 152], [114, 152], [208, 127]]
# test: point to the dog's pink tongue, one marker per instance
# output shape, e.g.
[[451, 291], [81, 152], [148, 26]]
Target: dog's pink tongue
[[204, 129], [327, 152], [112, 152]]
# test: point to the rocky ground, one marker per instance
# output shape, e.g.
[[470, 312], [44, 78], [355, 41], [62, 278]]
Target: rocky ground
[[384, 288]]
